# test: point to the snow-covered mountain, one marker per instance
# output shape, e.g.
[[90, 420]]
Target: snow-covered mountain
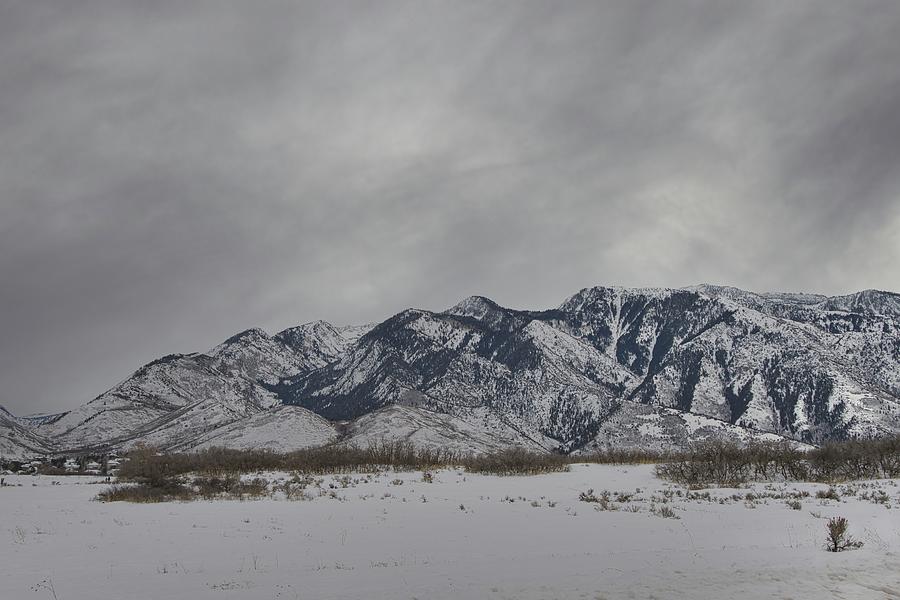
[[39, 419], [180, 399], [806, 367], [478, 430], [17, 441], [607, 367]]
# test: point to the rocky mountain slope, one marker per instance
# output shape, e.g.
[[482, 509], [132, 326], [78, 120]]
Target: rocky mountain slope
[[607, 367], [283, 429], [180, 398], [17, 441], [805, 367]]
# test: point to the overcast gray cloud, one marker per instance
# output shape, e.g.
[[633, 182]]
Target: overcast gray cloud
[[174, 172]]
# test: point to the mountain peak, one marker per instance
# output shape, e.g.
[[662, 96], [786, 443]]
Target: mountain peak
[[870, 301], [590, 296], [253, 332], [318, 325], [473, 306], [319, 342], [713, 289]]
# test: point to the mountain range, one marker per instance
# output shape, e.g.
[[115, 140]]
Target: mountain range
[[609, 367]]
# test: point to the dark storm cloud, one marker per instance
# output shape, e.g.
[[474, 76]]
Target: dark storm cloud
[[172, 172]]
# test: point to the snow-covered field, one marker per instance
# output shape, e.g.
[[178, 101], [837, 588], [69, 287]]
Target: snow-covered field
[[392, 535]]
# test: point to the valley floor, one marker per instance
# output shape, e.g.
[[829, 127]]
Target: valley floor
[[393, 535]]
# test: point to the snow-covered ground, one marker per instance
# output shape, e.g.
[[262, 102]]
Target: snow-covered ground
[[392, 535]]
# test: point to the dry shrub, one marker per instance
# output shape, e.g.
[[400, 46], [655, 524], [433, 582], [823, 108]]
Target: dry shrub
[[588, 496], [401, 456], [665, 512], [515, 461], [829, 494], [207, 488], [838, 540], [611, 456], [142, 493], [709, 462]]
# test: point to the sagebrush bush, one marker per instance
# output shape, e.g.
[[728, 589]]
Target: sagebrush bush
[[829, 494], [666, 512], [837, 538], [588, 496]]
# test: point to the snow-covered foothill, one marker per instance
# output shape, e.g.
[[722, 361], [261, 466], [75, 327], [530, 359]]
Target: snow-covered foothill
[[282, 429]]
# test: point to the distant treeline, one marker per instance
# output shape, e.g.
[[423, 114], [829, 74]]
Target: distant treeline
[[710, 462], [706, 462], [727, 464], [147, 465]]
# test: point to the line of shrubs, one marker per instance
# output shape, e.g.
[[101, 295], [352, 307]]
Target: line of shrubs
[[183, 489], [146, 465], [154, 476], [723, 463], [151, 476], [612, 456]]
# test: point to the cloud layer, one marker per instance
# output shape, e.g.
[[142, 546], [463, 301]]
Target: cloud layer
[[173, 172]]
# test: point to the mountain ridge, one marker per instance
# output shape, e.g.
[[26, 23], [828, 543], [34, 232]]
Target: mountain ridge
[[804, 366]]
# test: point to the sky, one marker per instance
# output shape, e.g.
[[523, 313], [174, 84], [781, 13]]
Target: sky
[[173, 172]]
